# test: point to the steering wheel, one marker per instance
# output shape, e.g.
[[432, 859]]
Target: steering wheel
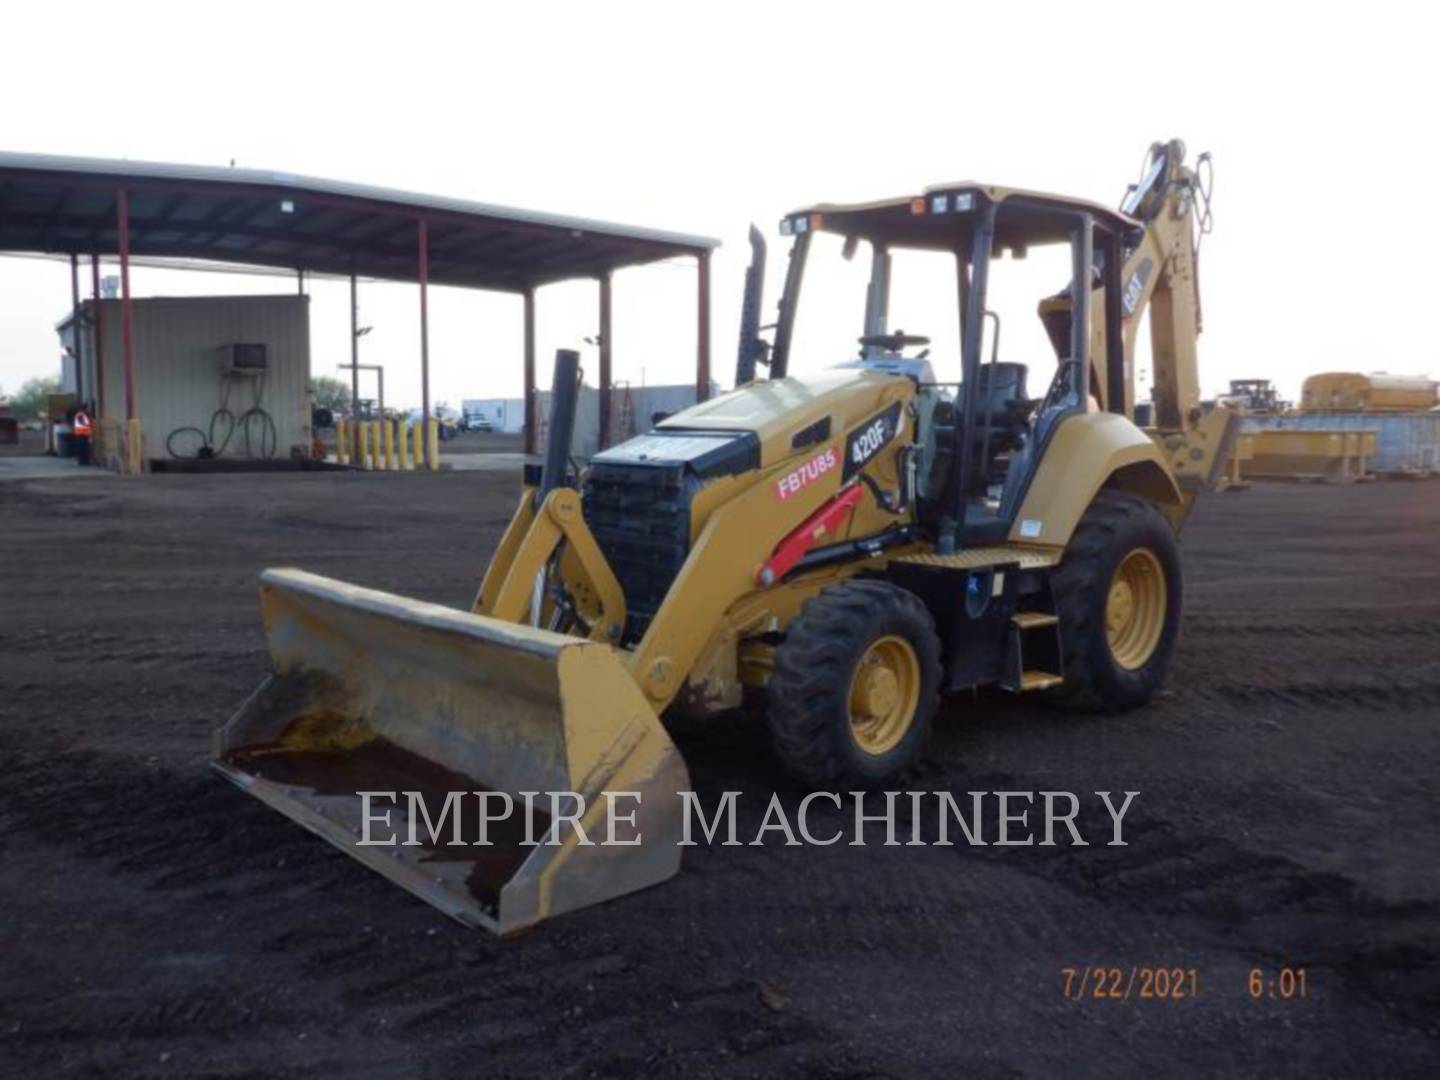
[[894, 342]]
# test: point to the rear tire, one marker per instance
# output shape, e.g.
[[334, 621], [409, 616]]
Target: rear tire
[[1118, 595], [855, 686]]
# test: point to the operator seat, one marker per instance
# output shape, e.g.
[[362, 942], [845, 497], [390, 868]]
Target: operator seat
[[1002, 419], [1002, 411]]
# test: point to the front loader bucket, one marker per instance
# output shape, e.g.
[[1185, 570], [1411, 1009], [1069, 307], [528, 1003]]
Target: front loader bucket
[[372, 692]]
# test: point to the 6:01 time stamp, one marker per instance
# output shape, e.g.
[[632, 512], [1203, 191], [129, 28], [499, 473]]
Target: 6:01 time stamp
[[1162, 982], [1282, 984]]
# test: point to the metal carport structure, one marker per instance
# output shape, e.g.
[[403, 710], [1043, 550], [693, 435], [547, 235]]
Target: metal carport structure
[[93, 207]]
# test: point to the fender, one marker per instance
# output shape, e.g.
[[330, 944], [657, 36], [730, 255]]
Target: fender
[[1088, 452]]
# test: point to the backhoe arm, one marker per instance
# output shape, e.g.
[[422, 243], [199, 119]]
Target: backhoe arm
[[1161, 272], [1173, 201]]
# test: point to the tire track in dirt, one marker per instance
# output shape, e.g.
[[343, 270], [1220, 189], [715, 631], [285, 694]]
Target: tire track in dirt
[[101, 647], [192, 836], [1345, 627], [314, 944], [1417, 695], [1260, 904]]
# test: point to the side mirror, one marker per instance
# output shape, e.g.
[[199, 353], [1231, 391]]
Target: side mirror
[[852, 245]]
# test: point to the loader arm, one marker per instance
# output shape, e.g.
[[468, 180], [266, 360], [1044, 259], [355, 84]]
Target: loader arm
[[525, 551]]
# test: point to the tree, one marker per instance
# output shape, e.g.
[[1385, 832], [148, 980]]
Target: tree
[[330, 393], [30, 402]]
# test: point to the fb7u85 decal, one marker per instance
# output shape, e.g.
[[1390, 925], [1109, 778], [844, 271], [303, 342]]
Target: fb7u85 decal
[[806, 474]]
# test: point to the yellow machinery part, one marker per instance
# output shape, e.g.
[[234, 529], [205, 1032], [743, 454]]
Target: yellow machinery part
[[1348, 391], [1085, 452], [375, 692], [1330, 454]]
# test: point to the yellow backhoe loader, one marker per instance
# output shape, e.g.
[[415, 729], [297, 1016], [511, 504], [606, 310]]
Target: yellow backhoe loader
[[851, 545]]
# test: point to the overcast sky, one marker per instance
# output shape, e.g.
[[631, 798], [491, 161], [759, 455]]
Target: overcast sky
[[702, 119]]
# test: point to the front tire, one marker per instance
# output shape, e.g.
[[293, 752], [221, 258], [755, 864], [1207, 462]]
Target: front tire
[[855, 686], [1118, 595]]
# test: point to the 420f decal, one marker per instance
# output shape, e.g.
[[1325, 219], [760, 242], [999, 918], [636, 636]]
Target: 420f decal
[[869, 439]]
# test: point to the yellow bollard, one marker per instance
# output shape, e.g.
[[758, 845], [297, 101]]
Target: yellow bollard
[[341, 454], [388, 426], [402, 444], [362, 444], [377, 454], [417, 430], [432, 445], [134, 448]]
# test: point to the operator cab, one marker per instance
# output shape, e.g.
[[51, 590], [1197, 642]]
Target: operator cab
[[979, 430]]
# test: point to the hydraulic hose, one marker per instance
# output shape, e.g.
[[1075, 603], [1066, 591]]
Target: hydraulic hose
[[260, 437]]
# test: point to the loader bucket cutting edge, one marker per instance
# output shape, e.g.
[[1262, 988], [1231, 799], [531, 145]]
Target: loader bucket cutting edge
[[372, 692]]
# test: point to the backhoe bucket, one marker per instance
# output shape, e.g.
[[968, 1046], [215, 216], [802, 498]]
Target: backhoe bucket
[[374, 696]]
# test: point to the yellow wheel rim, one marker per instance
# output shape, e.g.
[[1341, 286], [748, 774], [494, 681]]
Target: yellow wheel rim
[[1135, 609], [884, 692]]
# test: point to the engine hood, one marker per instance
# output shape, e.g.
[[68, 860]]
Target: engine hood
[[776, 410]]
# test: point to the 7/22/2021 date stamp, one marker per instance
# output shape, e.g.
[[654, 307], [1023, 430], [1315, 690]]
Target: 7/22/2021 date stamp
[[1175, 983]]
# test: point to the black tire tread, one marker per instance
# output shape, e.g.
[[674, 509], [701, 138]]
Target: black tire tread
[[813, 668], [1074, 582]]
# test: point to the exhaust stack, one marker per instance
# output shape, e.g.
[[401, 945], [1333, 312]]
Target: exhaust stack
[[752, 346], [564, 399]]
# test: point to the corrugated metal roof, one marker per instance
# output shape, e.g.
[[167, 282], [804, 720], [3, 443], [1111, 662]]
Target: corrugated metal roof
[[68, 205]]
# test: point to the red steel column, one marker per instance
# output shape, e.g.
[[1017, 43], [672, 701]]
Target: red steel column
[[99, 332], [75, 328], [355, 455], [424, 253], [605, 356], [702, 327], [127, 320], [531, 412]]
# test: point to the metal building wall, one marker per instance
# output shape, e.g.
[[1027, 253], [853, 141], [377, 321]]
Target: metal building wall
[[178, 361], [1407, 443]]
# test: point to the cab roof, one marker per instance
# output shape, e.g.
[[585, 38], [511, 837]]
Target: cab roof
[[942, 216]]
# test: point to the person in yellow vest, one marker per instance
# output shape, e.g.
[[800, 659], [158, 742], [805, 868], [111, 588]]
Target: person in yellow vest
[[82, 433]]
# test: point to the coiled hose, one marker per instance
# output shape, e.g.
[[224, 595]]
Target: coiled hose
[[259, 436]]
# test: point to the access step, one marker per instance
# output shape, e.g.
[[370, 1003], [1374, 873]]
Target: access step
[[1034, 620], [1039, 680], [996, 555], [1033, 653]]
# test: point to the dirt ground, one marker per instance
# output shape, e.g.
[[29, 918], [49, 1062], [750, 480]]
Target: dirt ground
[[483, 442], [158, 922]]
